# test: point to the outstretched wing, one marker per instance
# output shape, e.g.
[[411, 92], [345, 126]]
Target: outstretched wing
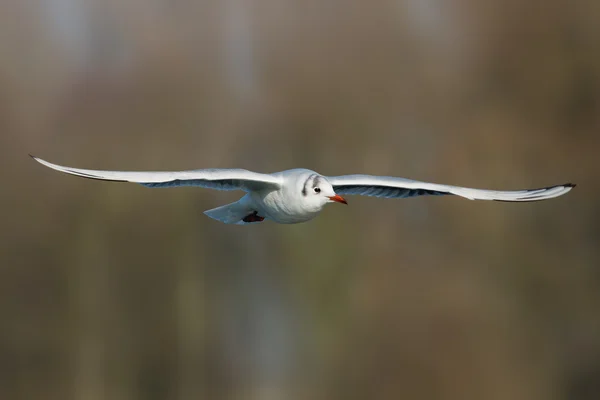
[[391, 187], [220, 179]]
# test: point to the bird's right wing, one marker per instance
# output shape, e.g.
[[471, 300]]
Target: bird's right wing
[[220, 179], [392, 187]]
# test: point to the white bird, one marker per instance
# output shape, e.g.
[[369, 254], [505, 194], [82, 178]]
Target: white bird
[[299, 195]]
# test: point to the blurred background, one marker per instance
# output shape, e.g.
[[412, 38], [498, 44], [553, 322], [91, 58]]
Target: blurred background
[[115, 291]]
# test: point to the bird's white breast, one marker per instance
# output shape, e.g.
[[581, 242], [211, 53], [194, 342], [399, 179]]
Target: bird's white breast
[[283, 206]]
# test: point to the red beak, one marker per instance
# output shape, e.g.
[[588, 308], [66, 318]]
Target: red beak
[[338, 198]]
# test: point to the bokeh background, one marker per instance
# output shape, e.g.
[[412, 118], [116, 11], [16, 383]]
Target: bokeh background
[[115, 291]]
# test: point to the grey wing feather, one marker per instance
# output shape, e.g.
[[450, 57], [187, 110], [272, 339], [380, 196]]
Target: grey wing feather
[[392, 187], [220, 179]]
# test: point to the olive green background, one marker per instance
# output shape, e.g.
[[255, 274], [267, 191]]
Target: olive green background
[[115, 291]]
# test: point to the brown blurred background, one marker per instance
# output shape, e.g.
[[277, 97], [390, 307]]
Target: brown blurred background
[[115, 291]]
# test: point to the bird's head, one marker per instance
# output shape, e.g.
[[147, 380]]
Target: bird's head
[[317, 191]]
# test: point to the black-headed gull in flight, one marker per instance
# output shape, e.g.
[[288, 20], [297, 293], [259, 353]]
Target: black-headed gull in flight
[[299, 195]]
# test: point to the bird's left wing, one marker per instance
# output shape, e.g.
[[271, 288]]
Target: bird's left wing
[[220, 179], [391, 187]]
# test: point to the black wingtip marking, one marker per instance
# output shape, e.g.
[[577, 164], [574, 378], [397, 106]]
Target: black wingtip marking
[[81, 174], [529, 200], [88, 176], [539, 197]]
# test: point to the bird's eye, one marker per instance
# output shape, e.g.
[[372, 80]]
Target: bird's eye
[[317, 190]]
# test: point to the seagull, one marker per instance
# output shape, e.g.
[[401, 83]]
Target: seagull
[[299, 195]]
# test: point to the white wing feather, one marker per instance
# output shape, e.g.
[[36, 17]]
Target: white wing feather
[[220, 179], [391, 187]]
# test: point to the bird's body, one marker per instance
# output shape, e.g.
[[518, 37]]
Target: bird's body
[[299, 195], [281, 205], [284, 206]]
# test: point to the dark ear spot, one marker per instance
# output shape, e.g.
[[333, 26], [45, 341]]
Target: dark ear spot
[[311, 181]]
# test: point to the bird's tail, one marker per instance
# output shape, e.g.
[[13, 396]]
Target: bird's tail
[[233, 213]]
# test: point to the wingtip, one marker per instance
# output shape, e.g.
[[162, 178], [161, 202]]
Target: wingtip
[[570, 185], [37, 159]]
